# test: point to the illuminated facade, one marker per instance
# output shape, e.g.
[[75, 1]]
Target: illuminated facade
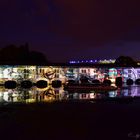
[[65, 73]]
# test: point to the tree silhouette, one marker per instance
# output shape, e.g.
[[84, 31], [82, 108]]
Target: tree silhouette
[[12, 54], [125, 61]]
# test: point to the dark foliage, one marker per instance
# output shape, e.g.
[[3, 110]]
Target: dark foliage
[[125, 61], [12, 54]]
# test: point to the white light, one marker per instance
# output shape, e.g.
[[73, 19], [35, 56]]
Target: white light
[[92, 95]]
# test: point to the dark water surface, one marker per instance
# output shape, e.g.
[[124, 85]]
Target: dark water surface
[[50, 114]]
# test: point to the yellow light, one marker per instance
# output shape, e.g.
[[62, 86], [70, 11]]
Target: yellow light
[[30, 100]]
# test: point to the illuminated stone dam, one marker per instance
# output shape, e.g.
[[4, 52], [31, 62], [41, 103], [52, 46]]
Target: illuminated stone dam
[[19, 73]]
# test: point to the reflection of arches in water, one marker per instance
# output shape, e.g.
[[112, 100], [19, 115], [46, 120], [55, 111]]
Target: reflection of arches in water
[[25, 94], [134, 90], [47, 91], [129, 91], [48, 94], [9, 95]]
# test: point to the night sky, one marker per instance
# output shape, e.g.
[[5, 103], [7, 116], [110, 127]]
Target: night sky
[[73, 29]]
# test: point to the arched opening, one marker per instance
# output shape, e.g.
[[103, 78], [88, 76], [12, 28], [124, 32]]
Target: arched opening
[[107, 82], [10, 84], [129, 82], [137, 82], [96, 82], [26, 84], [41, 84], [56, 83]]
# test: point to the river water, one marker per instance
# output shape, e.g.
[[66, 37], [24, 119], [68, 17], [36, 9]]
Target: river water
[[50, 94]]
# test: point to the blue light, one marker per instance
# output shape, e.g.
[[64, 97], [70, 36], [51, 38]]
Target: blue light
[[91, 61], [72, 62]]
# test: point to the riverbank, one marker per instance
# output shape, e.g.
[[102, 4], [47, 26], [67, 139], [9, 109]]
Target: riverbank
[[111, 120]]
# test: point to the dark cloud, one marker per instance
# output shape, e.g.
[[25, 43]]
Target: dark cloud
[[97, 20], [69, 27]]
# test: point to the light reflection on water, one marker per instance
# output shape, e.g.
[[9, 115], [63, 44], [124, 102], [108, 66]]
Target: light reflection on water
[[50, 94]]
